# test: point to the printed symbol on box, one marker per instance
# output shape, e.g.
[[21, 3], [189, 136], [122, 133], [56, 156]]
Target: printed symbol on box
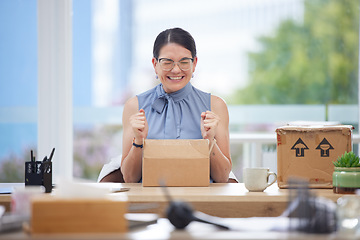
[[300, 148], [324, 147]]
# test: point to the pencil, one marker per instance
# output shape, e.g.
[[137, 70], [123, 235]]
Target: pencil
[[51, 155]]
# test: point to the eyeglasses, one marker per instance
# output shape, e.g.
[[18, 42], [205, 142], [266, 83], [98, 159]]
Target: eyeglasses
[[184, 64]]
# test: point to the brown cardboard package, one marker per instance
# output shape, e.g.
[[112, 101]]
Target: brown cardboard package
[[308, 152], [176, 163], [53, 215]]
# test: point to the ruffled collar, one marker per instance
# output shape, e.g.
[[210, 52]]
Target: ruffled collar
[[163, 97]]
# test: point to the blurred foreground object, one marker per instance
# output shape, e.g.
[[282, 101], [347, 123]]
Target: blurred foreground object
[[79, 208], [348, 215], [308, 213]]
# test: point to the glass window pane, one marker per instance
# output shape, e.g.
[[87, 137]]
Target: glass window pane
[[101, 65], [18, 86], [273, 61]]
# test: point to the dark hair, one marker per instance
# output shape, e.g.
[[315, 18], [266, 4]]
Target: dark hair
[[174, 35]]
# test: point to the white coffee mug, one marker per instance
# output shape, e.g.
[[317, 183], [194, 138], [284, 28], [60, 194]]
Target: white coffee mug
[[257, 179]]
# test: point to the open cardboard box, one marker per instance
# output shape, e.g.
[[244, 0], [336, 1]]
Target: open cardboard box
[[308, 152], [180, 163]]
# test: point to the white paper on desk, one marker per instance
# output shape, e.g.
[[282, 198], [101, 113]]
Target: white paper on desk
[[70, 189], [258, 224]]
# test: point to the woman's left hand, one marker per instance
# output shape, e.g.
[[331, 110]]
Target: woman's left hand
[[209, 123]]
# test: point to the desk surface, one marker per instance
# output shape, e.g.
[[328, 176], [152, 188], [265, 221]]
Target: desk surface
[[231, 200], [223, 200]]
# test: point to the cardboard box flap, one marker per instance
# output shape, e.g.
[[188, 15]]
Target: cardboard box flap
[[346, 129], [175, 149]]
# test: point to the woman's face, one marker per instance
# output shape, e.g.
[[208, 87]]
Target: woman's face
[[176, 78]]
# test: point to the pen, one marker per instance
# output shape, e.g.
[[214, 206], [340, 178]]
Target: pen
[[51, 155]]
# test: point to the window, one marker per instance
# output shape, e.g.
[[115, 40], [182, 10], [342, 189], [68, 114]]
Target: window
[[102, 57], [272, 61], [18, 87]]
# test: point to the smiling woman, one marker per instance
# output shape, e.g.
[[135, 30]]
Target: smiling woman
[[174, 76], [174, 109], [174, 45]]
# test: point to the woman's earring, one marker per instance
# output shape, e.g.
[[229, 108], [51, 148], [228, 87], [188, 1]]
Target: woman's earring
[[156, 76], [192, 76]]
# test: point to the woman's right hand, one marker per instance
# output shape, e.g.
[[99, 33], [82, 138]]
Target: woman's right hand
[[139, 126]]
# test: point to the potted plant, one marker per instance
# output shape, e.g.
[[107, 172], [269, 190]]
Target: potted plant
[[346, 176]]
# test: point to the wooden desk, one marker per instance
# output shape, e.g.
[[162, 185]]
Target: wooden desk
[[230, 200], [224, 200]]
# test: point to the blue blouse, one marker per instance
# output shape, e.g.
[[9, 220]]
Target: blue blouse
[[175, 115]]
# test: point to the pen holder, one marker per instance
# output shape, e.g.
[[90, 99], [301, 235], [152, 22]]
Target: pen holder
[[39, 173]]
